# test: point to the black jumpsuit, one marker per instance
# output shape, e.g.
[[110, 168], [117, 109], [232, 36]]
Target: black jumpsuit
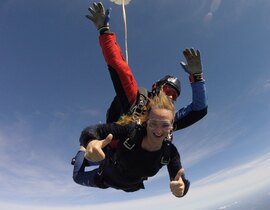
[[125, 168]]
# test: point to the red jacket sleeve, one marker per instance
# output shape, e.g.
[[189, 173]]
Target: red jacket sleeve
[[116, 62]]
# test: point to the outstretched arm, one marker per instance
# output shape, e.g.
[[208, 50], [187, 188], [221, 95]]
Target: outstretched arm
[[197, 109], [179, 185], [122, 77], [123, 80]]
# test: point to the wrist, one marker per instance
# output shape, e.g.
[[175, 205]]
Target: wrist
[[196, 77], [82, 148], [104, 30]]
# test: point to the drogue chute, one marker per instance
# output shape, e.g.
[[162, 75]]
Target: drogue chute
[[121, 2]]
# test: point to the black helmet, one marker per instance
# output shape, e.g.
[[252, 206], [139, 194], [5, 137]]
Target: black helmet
[[169, 80]]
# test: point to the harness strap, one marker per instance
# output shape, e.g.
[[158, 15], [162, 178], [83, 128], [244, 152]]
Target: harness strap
[[167, 150], [130, 142], [138, 107], [165, 159]]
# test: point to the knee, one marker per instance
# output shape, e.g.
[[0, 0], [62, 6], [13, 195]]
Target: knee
[[75, 178]]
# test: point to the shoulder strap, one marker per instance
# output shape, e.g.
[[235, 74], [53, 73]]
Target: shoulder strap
[[130, 142], [166, 157], [142, 100]]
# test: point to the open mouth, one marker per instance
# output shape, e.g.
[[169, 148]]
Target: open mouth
[[158, 135]]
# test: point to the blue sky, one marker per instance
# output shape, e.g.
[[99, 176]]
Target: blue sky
[[54, 82]]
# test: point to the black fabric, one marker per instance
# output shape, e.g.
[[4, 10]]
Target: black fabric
[[115, 111], [120, 92], [126, 168]]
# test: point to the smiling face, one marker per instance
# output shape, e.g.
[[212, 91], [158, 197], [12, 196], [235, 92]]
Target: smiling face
[[159, 125]]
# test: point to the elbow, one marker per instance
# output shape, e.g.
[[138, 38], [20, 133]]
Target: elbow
[[191, 118]]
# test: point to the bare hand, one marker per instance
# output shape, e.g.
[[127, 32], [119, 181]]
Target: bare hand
[[94, 148], [177, 185]]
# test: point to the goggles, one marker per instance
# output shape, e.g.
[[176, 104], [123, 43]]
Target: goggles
[[170, 91], [165, 125]]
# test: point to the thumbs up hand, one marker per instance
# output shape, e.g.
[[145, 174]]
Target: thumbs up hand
[[94, 148], [177, 185]]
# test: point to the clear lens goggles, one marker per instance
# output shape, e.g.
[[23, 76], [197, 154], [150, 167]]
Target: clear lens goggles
[[165, 125]]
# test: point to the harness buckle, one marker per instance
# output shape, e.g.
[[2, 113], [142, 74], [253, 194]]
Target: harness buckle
[[100, 171], [164, 161], [128, 145]]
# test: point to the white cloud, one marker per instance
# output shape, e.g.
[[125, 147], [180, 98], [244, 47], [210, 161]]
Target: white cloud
[[215, 4], [228, 205], [208, 17], [89, 112], [227, 185], [206, 139], [253, 166], [260, 86], [266, 85]]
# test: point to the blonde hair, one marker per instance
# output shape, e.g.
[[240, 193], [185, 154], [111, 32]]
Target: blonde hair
[[160, 101]]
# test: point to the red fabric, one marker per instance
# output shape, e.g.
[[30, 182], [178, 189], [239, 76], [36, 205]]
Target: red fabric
[[114, 143], [114, 58]]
